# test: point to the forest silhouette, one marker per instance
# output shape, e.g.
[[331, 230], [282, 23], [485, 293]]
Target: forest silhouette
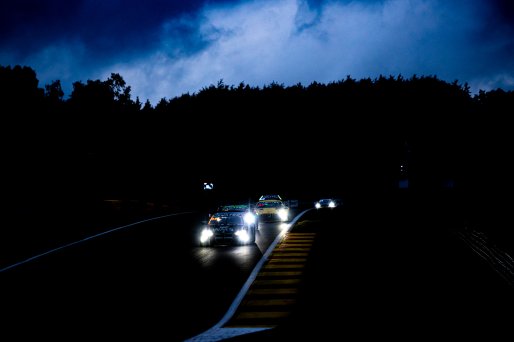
[[348, 136]]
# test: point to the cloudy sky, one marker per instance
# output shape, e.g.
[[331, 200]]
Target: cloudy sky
[[165, 48]]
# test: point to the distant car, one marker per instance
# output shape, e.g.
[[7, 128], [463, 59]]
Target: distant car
[[270, 197], [272, 210], [233, 224], [327, 203]]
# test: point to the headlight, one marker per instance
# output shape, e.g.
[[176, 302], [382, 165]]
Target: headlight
[[317, 205], [205, 235], [242, 235], [249, 218], [332, 204], [283, 214]]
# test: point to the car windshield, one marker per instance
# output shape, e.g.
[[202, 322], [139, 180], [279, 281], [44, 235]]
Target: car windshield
[[239, 208], [270, 204]]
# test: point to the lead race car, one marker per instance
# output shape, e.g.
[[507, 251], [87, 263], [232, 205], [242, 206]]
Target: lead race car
[[230, 224]]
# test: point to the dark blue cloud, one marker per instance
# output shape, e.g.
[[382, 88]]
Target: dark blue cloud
[[166, 47], [505, 11], [106, 28], [113, 28]]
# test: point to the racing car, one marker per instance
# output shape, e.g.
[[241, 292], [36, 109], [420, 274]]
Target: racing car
[[230, 225], [272, 210]]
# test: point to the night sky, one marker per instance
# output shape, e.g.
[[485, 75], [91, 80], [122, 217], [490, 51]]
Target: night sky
[[166, 48]]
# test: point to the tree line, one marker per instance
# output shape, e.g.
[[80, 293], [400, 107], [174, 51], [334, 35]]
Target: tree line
[[351, 135]]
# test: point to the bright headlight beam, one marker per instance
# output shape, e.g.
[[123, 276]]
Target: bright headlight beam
[[283, 214], [205, 235], [249, 218], [243, 235]]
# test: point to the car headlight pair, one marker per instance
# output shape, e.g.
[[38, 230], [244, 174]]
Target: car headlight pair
[[331, 204]]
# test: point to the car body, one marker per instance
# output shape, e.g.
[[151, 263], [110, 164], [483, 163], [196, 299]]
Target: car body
[[327, 203], [272, 210], [230, 225]]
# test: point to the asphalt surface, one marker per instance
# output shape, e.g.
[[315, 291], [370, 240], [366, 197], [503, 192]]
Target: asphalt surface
[[396, 271], [374, 269], [144, 280]]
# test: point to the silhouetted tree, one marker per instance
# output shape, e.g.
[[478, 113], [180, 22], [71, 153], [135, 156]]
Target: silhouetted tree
[[19, 91], [54, 92], [54, 98]]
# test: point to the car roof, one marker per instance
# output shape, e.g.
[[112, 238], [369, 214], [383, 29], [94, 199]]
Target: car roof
[[234, 207], [270, 197]]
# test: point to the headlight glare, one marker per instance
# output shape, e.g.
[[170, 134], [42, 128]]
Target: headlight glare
[[249, 218], [242, 235], [205, 235], [283, 214]]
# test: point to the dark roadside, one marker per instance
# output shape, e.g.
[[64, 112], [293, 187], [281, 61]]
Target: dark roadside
[[394, 269], [39, 225]]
